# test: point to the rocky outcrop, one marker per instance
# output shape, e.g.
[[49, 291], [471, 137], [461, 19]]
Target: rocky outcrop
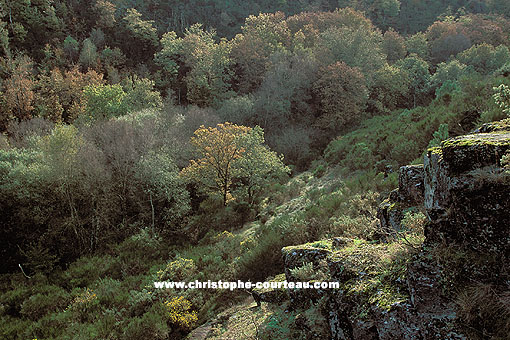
[[275, 293], [368, 305], [465, 194], [299, 256], [410, 184], [390, 213], [410, 193]]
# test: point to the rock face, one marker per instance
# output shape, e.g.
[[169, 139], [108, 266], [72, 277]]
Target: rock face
[[466, 196], [417, 309], [273, 294], [410, 184], [390, 213], [410, 193]]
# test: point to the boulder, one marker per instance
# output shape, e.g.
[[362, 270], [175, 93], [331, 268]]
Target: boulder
[[298, 256], [390, 213], [271, 294]]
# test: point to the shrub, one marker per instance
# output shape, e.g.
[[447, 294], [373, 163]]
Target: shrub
[[152, 325], [139, 301], [50, 326], [138, 252], [11, 328], [84, 306], [50, 299], [178, 270], [109, 292], [281, 326], [86, 270], [180, 313], [265, 259]]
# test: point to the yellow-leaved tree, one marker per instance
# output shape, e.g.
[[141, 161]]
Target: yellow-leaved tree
[[228, 154]]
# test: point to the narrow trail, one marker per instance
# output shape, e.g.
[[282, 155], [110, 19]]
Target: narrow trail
[[234, 323]]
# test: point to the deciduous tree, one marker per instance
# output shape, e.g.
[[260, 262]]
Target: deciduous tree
[[342, 93], [261, 36], [230, 152], [19, 94]]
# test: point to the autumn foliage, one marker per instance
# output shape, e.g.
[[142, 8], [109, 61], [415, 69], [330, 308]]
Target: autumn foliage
[[343, 94], [231, 152]]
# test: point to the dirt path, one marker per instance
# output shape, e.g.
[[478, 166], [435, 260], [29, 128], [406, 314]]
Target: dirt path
[[236, 323], [201, 332]]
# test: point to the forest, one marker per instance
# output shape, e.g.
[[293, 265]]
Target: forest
[[145, 141]]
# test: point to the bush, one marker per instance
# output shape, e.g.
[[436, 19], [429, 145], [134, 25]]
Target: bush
[[12, 328], [49, 326], [109, 293], [84, 307], [50, 299], [178, 270], [152, 325], [139, 252], [265, 258], [86, 270], [180, 314]]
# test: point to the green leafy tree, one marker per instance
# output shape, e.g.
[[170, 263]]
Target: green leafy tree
[[440, 135], [113, 57], [502, 98], [343, 94], [207, 82], [357, 47], [167, 200], [389, 90], [485, 58], [60, 156], [140, 94], [394, 46], [230, 152], [142, 37], [238, 110], [418, 44], [261, 36], [285, 94], [31, 24], [381, 12], [71, 48], [258, 165], [105, 13], [419, 75], [208, 62], [447, 90], [88, 55], [167, 58], [105, 101], [60, 96], [448, 71], [21, 183]]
